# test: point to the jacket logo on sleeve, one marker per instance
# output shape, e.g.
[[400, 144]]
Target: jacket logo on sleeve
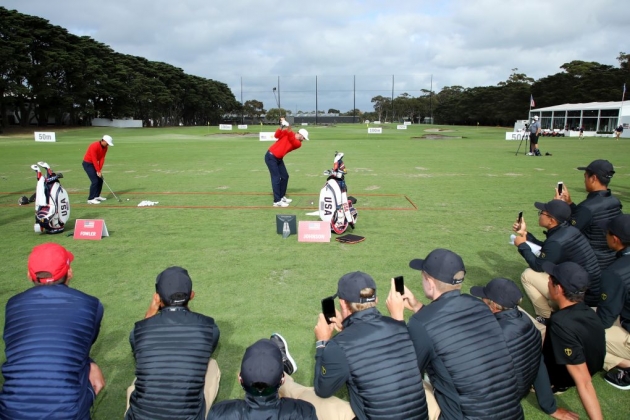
[[568, 352], [542, 255], [323, 370], [573, 222], [604, 296]]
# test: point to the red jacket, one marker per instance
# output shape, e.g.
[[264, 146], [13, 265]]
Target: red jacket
[[95, 155], [286, 143]]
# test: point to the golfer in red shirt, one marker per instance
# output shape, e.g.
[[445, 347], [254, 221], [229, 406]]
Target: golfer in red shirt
[[287, 142], [93, 162]]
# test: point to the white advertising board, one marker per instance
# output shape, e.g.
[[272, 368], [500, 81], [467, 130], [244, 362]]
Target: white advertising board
[[375, 130], [266, 136], [225, 126], [45, 136]]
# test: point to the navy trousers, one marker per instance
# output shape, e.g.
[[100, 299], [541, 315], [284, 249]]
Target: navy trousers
[[97, 182], [279, 176]]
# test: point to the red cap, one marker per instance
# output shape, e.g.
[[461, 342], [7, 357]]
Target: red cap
[[49, 257]]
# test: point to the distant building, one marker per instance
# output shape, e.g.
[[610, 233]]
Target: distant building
[[595, 117]]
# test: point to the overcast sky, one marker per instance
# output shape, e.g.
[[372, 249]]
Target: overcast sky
[[344, 46]]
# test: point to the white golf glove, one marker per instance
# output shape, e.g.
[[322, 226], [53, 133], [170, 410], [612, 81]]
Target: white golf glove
[[284, 123]]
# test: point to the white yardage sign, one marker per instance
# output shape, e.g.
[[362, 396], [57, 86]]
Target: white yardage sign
[[375, 130], [44, 136]]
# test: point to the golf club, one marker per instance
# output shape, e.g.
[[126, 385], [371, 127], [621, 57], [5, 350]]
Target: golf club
[[274, 95], [115, 196]]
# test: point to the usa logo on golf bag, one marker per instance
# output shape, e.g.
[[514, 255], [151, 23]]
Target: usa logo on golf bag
[[335, 206], [52, 204]]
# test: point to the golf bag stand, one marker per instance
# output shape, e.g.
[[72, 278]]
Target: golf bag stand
[[52, 204], [335, 206]]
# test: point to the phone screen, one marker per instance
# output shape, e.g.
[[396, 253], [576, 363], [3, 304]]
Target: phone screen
[[560, 184], [399, 283], [520, 216], [328, 308]]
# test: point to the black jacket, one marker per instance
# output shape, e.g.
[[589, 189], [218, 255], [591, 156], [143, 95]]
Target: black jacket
[[524, 342], [375, 358], [172, 350], [566, 243], [598, 206], [263, 408], [460, 344], [615, 292]]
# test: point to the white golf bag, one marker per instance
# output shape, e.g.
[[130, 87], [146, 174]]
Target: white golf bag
[[52, 205], [334, 204]]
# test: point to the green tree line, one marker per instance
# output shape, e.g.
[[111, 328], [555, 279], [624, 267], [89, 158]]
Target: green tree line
[[47, 72], [578, 82]]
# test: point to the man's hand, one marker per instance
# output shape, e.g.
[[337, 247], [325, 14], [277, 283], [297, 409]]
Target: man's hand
[[564, 414], [565, 196], [521, 230], [395, 303], [99, 174], [96, 378], [154, 306], [324, 330]]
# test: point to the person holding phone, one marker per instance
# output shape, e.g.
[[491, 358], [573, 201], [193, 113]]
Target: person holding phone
[[371, 354], [458, 342], [274, 159], [563, 243], [599, 206]]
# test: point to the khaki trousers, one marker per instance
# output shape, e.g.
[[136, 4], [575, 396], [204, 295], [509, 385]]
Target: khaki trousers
[[535, 285], [334, 408], [210, 389], [617, 345]]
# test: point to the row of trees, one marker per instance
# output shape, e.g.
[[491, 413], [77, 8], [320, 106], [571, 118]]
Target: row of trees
[[578, 82], [47, 72]]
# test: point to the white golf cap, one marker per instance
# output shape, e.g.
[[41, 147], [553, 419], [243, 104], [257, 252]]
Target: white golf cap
[[304, 133], [535, 117], [108, 139]]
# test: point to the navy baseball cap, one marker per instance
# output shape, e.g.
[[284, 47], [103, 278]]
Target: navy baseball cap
[[443, 265], [571, 276], [499, 290], [350, 285], [618, 226], [558, 209], [599, 167], [262, 364], [174, 285]]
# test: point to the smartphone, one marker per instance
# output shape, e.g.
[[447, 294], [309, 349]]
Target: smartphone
[[520, 217], [560, 184], [399, 283], [328, 309]]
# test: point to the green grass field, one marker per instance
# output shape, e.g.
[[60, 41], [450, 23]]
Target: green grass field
[[214, 218]]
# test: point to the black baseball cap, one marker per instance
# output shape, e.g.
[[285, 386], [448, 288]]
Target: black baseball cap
[[499, 290], [174, 285], [350, 285], [599, 167], [262, 364], [558, 209], [571, 276], [618, 226], [443, 265]]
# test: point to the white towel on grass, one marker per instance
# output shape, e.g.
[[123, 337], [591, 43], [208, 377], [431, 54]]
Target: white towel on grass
[[147, 203]]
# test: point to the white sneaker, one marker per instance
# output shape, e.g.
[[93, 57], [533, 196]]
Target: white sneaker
[[285, 200], [100, 198], [281, 204], [530, 154], [94, 201]]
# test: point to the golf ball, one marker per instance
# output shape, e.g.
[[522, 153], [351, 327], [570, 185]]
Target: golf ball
[[127, 199], [311, 203]]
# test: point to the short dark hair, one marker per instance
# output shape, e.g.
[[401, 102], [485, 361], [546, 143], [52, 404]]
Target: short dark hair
[[576, 297], [602, 180], [624, 243]]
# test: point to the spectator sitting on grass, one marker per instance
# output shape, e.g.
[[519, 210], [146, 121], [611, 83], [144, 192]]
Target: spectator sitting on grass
[[261, 375], [48, 333], [176, 377], [564, 243]]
